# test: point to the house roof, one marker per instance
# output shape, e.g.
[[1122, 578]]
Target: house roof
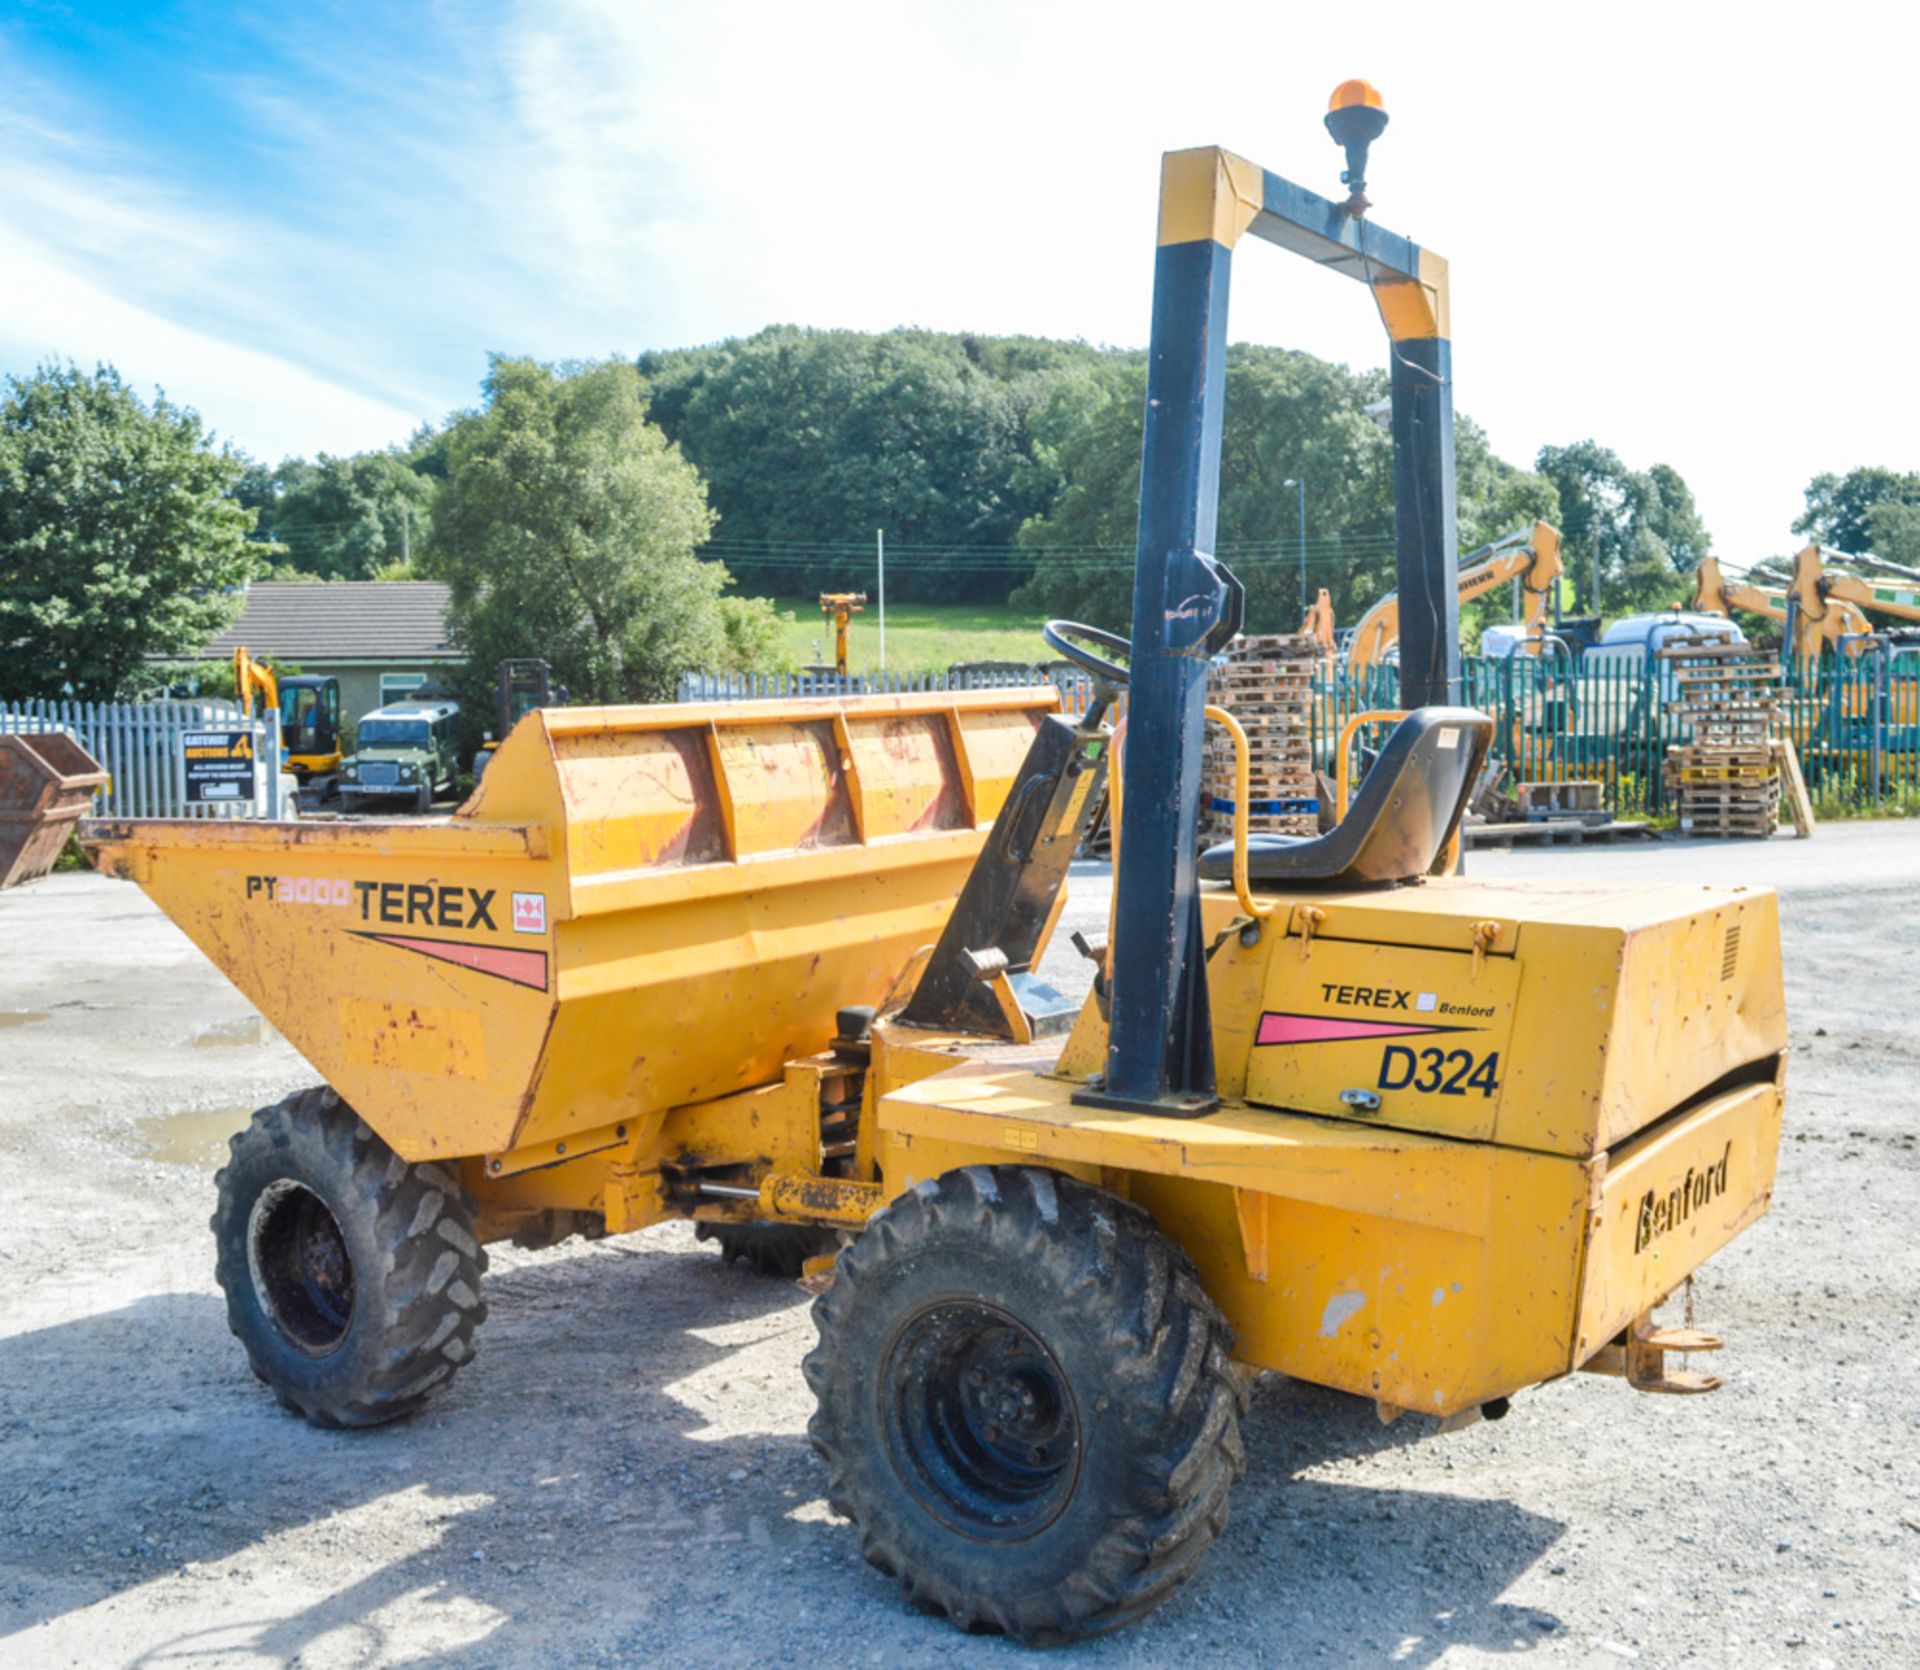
[[341, 620]]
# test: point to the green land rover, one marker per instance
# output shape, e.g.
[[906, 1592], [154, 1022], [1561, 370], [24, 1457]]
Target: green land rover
[[404, 751]]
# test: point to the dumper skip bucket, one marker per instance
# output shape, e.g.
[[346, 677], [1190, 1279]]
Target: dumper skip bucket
[[639, 908], [46, 783]]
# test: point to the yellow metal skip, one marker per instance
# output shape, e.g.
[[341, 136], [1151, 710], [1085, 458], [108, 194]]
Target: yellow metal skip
[[640, 908]]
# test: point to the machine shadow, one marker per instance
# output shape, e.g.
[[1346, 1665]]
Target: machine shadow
[[1371, 1574], [570, 1498]]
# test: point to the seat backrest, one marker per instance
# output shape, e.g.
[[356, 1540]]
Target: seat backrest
[[1405, 812]]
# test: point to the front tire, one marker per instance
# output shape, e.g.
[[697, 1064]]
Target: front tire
[[352, 1278], [1026, 1403]]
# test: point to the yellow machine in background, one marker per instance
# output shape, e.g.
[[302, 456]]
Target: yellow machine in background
[[1828, 603], [775, 968], [840, 607], [1825, 632], [1832, 600], [1317, 624], [309, 720], [1531, 556]]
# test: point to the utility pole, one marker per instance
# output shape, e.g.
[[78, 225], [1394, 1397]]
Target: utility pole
[[880, 554], [1290, 482]]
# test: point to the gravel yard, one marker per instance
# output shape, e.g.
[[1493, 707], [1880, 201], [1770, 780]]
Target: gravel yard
[[623, 1476]]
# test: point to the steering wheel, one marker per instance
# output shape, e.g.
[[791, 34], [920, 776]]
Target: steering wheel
[[1060, 636]]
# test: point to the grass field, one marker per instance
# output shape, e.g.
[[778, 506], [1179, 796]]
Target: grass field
[[921, 637]]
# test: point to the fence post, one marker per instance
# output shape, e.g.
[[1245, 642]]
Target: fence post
[[1881, 658]]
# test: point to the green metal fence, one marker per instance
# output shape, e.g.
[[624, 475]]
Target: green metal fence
[[1855, 721]]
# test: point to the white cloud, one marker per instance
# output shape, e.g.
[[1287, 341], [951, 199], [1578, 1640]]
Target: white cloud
[[267, 405], [1675, 228], [1669, 227]]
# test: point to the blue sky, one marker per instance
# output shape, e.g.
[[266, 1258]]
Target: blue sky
[[1682, 228]]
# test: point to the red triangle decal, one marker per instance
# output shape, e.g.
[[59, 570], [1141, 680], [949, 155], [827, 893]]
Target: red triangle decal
[[521, 968]]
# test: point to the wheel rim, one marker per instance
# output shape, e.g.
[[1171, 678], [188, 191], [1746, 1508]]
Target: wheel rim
[[981, 1422], [301, 1272]]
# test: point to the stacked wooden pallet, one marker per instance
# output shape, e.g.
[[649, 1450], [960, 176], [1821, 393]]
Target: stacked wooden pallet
[[1266, 683], [1727, 779]]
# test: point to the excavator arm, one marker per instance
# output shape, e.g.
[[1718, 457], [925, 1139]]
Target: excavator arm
[[1832, 605], [1531, 556], [251, 677], [1714, 594], [1317, 624], [1378, 632]]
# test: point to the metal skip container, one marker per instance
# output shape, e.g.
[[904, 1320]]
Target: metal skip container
[[639, 907], [47, 781]]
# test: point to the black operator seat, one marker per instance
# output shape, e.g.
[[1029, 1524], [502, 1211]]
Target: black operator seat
[[1404, 814]]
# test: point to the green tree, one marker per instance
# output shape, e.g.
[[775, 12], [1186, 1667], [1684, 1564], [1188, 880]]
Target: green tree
[[1288, 417], [810, 440], [119, 537], [1634, 534], [1086, 438], [567, 527], [352, 518], [1893, 528], [1840, 508]]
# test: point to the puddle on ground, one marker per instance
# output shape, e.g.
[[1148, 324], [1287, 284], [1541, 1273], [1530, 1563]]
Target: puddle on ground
[[197, 1137], [22, 1017], [252, 1029]]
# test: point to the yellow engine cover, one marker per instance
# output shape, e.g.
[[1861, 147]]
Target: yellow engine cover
[[1562, 1016]]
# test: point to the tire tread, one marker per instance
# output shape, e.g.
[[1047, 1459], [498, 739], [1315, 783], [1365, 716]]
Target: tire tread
[[426, 1285], [1172, 1379]]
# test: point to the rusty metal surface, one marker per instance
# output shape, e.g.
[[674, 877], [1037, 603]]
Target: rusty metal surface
[[639, 909], [47, 781]]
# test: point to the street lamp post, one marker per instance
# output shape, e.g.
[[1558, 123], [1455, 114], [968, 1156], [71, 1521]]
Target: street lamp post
[[1290, 482]]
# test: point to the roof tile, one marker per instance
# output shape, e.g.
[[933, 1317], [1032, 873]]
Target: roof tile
[[342, 620]]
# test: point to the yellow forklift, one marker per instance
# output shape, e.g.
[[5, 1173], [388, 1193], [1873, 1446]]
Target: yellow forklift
[[1330, 1108]]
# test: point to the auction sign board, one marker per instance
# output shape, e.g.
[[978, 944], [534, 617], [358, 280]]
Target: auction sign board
[[219, 766]]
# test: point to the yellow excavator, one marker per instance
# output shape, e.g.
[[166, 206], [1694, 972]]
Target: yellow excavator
[[1828, 601], [1531, 556], [1836, 621], [309, 709], [1823, 596]]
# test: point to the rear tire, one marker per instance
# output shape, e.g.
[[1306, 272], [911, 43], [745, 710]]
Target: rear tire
[[352, 1278], [769, 1249], [1027, 1403]]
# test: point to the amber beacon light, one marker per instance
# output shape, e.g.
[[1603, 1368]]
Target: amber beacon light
[[1356, 118]]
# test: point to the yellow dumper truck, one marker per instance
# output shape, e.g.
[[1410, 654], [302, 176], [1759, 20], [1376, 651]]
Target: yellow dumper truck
[[1329, 1108]]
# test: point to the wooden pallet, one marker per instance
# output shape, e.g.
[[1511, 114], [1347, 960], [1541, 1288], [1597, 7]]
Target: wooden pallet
[[1554, 832], [1723, 773], [1746, 829], [1704, 651], [1737, 788], [1265, 682], [1698, 753]]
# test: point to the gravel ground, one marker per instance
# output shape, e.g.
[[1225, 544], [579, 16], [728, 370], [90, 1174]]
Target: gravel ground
[[622, 1476]]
